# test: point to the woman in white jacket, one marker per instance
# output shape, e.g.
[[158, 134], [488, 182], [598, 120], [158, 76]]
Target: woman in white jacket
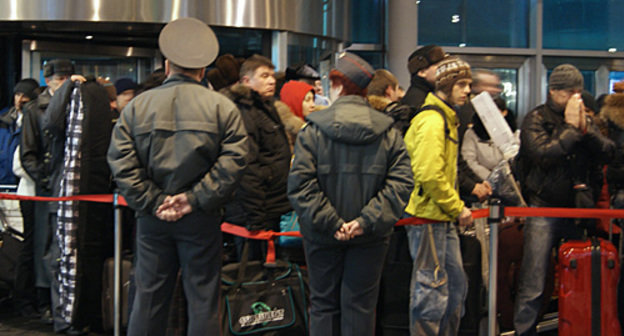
[[478, 149]]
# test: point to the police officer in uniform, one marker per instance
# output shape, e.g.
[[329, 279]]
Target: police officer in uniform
[[177, 153]]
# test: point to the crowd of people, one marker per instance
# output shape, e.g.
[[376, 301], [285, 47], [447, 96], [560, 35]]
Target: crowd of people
[[190, 148]]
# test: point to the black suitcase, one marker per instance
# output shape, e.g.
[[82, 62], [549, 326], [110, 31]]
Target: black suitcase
[[394, 291], [108, 297]]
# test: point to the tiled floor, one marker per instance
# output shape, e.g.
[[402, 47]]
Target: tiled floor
[[12, 325]]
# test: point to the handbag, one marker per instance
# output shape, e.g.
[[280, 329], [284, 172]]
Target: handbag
[[289, 222], [259, 299]]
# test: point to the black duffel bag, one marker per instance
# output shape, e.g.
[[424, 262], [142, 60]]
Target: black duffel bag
[[263, 299]]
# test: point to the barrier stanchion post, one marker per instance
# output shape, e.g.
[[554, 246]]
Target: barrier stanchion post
[[117, 268], [494, 219]]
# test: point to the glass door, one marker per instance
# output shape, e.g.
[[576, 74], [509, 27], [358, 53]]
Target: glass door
[[110, 62]]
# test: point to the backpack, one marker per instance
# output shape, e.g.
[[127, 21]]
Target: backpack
[[403, 115]]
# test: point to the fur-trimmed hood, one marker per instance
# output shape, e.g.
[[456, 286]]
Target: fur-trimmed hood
[[379, 103], [292, 123], [613, 109]]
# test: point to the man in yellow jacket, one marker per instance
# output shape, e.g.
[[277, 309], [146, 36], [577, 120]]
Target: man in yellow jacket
[[439, 285]]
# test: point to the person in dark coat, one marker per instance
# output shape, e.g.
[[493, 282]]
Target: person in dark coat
[[422, 65], [558, 142], [383, 96], [612, 113], [25, 293], [10, 127], [261, 199], [77, 127], [177, 153], [35, 156], [349, 182]]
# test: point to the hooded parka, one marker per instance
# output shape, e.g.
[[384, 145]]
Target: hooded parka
[[349, 164]]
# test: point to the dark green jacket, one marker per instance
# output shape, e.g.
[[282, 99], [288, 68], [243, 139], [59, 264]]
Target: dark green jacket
[[349, 164], [178, 137]]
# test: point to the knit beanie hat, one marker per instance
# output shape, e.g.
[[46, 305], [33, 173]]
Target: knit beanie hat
[[123, 84], [355, 69], [293, 93], [28, 87], [565, 76], [424, 57], [450, 70]]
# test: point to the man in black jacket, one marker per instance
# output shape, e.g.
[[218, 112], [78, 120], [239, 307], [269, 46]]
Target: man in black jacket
[[422, 65], [557, 142], [261, 198]]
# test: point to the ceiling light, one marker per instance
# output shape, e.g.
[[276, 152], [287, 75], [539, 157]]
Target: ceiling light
[[461, 45], [612, 50], [89, 37], [455, 18]]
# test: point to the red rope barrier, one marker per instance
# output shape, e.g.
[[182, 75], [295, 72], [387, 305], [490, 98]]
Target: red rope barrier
[[270, 235], [563, 212], [99, 198], [479, 213]]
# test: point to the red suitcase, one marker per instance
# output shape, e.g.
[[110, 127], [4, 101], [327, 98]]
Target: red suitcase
[[588, 276]]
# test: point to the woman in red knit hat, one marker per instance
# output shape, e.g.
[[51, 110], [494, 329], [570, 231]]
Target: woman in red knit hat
[[299, 96]]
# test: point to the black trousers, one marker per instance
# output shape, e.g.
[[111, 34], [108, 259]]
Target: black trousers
[[192, 244], [344, 286], [25, 293]]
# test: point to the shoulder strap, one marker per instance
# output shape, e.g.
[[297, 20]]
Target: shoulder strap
[[390, 106], [447, 131]]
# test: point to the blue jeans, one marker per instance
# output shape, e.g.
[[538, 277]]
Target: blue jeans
[[436, 310], [540, 236]]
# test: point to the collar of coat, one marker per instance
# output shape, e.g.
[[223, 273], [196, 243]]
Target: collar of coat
[[379, 103], [421, 83], [9, 117], [180, 78], [242, 94]]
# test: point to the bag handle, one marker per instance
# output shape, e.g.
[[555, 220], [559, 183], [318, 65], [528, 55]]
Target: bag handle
[[243, 264], [436, 271], [244, 261]]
